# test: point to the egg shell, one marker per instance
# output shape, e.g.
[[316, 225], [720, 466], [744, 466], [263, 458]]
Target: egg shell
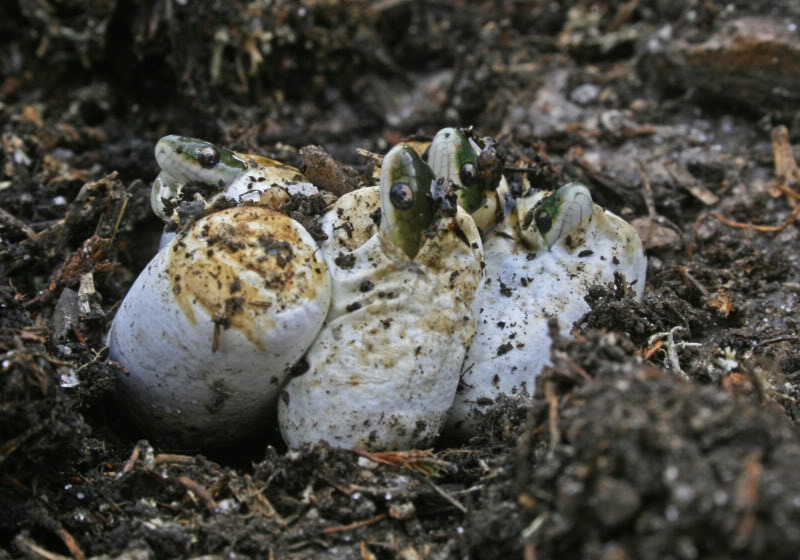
[[211, 326], [485, 216], [243, 189], [164, 188], [526, 285], [262, 174], [384, 369]]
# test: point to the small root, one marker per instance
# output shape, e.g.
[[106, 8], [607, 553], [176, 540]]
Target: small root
[[670, 347], [740, 225]]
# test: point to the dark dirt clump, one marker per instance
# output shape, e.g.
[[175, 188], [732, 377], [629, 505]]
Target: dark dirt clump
[[666, 428], [695, 472], [306, 210], [345, 261], [40, 424]]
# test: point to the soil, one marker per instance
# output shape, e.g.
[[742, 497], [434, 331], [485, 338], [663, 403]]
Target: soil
[[667, 428]]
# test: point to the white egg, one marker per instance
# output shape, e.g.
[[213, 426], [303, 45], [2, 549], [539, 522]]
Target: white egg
[[526, 284], [384, 369], [212, 325]]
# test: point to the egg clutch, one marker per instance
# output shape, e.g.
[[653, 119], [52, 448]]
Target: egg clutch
[[427, 297]]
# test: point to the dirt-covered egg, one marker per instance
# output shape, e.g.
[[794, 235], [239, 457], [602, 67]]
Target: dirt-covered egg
[[198, 172], [405, 267], [541, 261], [213, 324]]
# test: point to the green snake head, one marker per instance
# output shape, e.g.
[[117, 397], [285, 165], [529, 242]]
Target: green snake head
[[185, 160], [451, 155], [188, 160], [407, 206], [561, 212]]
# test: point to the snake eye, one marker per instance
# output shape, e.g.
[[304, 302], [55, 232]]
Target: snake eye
[[401, 196], [208, 156], [407, 206], [468, 174], [543, 221]]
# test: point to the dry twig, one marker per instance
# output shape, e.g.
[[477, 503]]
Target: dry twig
[[421, 461], [377, 158], [354, 526], [199, 491], [552, 414], [11, 220], [78, 336], [740, 225], [746, 498], [33, 550], [175, 459], [529, 552], [132, 459], [448, 497], [70, 543], [649, 352], [781, 338]]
